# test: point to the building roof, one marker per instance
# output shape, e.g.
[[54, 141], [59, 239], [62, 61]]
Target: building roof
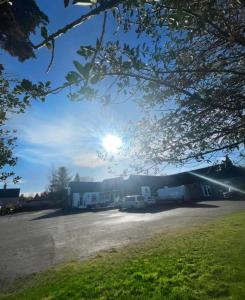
[[216, 172], [9, 193], [112, 183], [82, 187]]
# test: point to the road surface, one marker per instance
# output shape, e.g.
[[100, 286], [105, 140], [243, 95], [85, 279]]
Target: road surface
[[34, 241]]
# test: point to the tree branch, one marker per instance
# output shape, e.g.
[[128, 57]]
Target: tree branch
[[98, 46], [52, 58], [159, 81], [227, 147], [96, 11], [201, 71]]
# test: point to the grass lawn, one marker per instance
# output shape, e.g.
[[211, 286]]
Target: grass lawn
[[205, 262]]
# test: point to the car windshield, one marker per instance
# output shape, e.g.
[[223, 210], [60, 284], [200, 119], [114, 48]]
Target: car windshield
[[130, 198]]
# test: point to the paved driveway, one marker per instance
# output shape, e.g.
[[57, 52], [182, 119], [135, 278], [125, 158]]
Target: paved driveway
[[33, 241]]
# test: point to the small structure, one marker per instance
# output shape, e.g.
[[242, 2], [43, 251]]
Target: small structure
[[84, 194]]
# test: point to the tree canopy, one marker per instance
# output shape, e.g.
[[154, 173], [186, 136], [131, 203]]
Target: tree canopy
[[59, 180], [77, 178], [19, 18], [184, 67], [15, 96]]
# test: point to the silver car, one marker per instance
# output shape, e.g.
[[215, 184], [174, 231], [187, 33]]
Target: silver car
[[134, 201]]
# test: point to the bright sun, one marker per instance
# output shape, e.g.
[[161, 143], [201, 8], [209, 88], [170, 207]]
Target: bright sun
[[111, 143]]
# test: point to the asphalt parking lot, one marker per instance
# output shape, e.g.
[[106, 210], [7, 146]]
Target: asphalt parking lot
[[34, 241]]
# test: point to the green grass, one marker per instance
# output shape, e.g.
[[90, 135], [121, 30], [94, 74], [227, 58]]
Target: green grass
[[205, 262]]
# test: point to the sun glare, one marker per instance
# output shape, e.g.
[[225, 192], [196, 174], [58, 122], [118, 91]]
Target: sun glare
[[111, 143]]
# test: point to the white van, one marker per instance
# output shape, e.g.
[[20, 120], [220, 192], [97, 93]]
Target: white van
[[134, 201]]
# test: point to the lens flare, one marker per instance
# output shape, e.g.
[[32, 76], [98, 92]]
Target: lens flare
[[230, 187]]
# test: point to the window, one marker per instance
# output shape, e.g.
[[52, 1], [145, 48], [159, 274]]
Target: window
[[130, 198], [206, 190]]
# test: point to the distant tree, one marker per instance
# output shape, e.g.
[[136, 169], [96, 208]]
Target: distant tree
[[36, 197], [52, 186], [77, 178], [63, 178], [44, 195], [228, 162], [59, 179], [22, 198]]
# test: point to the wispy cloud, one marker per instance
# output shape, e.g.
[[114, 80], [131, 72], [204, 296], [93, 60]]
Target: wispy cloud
[[71, 140], [52, 135], [88, 160]]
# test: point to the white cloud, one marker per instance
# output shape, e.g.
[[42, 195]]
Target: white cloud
[[53, 133], [63, 141], [88, 160], [49, 135], [41, 156], [70, 138]]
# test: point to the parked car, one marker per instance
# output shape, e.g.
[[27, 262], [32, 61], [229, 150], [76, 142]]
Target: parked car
[[133, 201], [150, 201], [227, 195], [7, 210], [232, 195]]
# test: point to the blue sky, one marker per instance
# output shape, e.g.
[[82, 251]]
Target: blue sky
[[60, 132]]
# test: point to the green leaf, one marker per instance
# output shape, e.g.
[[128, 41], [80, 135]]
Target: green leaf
[[49, 46], [26, 84], [73, 77], [82, 69], [78, 66], [95, 78], [26, 99], [86, 51], [66, 3], [44, 32]]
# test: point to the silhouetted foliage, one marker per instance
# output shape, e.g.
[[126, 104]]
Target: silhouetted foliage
[[185, 68], [19, 18], [15, 96]]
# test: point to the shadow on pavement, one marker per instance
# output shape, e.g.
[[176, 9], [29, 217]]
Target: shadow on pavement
[[166, 207], [66, 212], [149, 209]]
